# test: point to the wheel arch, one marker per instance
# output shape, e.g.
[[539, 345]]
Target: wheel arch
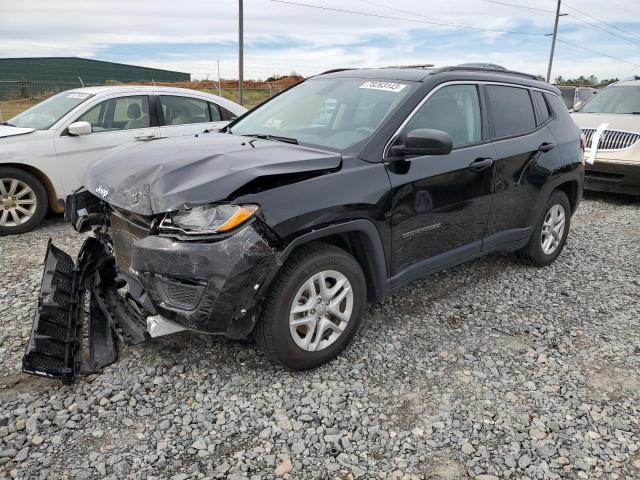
[[361, 239], [571, 188], [571, 183], [55, 205]]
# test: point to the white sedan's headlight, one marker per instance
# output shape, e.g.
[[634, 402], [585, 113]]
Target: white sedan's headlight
[[207, 219]]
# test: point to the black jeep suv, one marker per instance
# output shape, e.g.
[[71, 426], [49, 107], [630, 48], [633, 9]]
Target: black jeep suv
[[328, 196]]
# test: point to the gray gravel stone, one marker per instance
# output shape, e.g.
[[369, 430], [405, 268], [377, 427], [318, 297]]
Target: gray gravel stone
[[488, 370]]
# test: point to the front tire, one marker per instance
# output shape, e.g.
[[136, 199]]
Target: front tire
[[314, 309], [551, 231], [23, 201]]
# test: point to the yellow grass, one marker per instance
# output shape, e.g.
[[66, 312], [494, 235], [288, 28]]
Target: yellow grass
[[11, 108]]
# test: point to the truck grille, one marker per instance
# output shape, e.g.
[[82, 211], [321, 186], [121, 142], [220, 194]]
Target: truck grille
[[123, 234], [612, 139]]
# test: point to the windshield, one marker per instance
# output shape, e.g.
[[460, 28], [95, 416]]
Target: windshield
[[330, 113], [621, 99], [45, 114]]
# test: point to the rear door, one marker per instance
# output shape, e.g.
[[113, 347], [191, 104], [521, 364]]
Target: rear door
[[184, 115], [521, 139], [440, 203], [114, 121]]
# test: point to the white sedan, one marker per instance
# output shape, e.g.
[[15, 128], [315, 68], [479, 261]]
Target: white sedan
[[45, 150]]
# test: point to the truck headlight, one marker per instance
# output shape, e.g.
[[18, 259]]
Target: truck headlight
[[207, 219]]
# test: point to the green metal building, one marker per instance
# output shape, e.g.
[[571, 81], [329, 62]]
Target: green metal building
[[28, 77]]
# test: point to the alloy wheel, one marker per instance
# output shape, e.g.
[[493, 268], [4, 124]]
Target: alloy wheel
[[552, 229], [321, 310], [18, 202]]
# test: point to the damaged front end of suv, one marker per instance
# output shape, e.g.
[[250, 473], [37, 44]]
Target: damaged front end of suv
[[161, 258], [141, 276]]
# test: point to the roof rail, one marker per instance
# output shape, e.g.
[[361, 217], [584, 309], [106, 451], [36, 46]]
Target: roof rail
[[425, 65], [335, 70], [474, 68], [488, 66]]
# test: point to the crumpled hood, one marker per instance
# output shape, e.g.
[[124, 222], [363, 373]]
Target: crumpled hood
[[9, 131], [173, 173], [625, 123]]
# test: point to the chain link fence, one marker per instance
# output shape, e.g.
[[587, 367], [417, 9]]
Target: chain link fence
[[18, 95]]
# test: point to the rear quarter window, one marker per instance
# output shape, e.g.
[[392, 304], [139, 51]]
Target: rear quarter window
[[511, 110], [543, 108]]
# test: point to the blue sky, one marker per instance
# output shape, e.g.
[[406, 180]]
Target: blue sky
[[192, 35]]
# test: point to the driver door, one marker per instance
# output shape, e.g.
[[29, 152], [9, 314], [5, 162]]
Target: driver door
[[114, 122], [441, 203]]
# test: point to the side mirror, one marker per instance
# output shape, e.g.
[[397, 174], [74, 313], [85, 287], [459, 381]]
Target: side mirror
[[577, 105], [79, 128], [424, 141]]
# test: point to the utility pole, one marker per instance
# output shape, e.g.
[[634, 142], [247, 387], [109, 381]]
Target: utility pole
[[241, 52], [219, 89], [553, 41]]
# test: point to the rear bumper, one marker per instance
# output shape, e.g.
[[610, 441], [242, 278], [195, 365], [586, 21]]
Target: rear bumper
[[613, 177], [212, 287]]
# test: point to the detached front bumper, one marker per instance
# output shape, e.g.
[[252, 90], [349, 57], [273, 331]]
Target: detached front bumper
[[613, 177], [79, 301]]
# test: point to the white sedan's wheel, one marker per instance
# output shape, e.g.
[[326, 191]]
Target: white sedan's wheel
[[23, 201], [18, 202]]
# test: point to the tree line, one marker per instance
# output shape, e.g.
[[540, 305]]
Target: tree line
[[582, 81]]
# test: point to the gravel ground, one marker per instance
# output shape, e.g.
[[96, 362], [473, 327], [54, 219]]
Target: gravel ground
[[488, 370]]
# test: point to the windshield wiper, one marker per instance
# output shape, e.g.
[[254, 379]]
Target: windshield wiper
[[276, 138], [8, 124]]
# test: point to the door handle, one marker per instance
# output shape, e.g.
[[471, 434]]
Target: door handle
[[144, 136], [480, 164], [546, 147]]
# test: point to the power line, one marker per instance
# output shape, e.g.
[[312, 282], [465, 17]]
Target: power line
[[413, 20], [602, 21], [519, 6], [370, 2], [604, 29], [598, 53]]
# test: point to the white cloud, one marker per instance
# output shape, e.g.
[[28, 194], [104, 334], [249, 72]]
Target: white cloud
[[273, 32]]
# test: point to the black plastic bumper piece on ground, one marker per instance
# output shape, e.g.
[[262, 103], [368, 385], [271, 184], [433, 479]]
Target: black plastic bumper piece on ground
[[55, 348]]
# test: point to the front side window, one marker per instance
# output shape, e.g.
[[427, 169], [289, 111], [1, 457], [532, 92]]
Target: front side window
[[620, 99], [332, 113], [511, 110], [184, 110], [43, 115], [454, 109], [124, 113]]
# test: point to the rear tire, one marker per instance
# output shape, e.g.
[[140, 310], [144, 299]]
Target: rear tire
[[304, 324], [550, 233], [23, 201]]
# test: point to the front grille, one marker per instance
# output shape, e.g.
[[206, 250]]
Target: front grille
[[123, 234], [612, 139]]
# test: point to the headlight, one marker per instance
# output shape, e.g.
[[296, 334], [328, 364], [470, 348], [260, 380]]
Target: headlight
[[207, 219]]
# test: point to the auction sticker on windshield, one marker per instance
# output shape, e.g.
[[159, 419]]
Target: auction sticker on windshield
[[78, 95], [386, 86]]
